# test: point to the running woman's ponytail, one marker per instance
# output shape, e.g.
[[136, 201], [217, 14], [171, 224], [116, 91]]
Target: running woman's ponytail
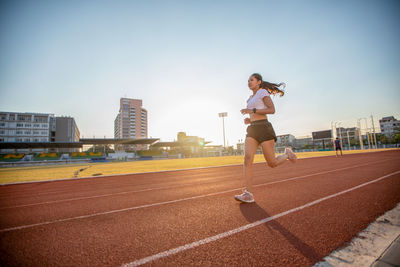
[[272, 88]]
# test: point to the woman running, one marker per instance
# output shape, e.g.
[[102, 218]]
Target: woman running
[[260, 131]]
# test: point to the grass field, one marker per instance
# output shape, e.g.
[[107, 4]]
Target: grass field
[[38, 173]]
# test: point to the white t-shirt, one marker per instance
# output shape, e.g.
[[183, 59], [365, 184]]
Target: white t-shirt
[[256, 101]]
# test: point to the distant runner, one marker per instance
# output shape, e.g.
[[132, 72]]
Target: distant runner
[[338, 147], [260, 131]]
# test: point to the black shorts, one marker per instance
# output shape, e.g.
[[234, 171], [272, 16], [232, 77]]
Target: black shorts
[[338, 148], [261, 130]]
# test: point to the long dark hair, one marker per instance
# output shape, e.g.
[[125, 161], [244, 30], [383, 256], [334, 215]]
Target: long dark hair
[[272, 88]]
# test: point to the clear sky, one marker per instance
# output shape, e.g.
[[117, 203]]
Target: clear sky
[[189, 60]]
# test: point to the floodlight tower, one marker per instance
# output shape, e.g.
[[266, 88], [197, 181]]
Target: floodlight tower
[[373, 130], [366, 128], [223, 115], [359, 134]]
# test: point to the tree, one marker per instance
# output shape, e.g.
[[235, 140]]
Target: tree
[[383, 139], [397, 138]]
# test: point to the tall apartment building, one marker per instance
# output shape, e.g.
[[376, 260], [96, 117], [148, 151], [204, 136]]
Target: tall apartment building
[[389, 126], [131, 121]]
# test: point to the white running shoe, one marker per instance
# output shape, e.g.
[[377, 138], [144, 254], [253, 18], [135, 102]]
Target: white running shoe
[[246, 197], [291, 155]]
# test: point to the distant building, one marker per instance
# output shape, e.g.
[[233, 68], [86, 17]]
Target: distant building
[[186, 145], [285, 140], [67, 131], [303, 142], [131, 120], [36, 127], [389, 126], [352, 132], [322, 138], [26, 127], [348, 134]]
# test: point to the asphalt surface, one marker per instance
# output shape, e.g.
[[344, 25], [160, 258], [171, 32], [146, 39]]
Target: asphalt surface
[[159, 218]]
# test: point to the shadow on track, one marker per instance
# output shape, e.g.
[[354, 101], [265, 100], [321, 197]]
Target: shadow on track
[[253, 212]]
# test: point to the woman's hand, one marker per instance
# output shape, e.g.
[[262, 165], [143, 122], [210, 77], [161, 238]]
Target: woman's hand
[[246, 111], [247, 121]]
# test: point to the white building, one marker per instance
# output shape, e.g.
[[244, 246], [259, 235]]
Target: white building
[[303, 141], [388, 126], [27, 127], [31, 127], [285, 140]]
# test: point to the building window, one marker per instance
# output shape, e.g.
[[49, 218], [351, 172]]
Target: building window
[[28, 125], [2, 132], [19, 132], [20, 125], [44, 125], [2, 124], [43, 133], [36, 125], [27, 132]]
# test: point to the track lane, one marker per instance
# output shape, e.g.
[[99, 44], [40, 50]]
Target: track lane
[[25, 194], [102, 185], [63, 211]]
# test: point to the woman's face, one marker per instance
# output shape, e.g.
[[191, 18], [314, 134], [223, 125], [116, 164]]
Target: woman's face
[[253, 83]]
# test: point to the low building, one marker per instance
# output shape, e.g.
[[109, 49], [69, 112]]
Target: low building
[[389, 126], [303, 142], [185, 145], [26, 127], [29, 127], [348, 135], [67, 131], [285, 140], [322, 138]]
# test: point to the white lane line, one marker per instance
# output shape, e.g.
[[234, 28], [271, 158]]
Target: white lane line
[[247, 226], [177, 186], [150, 205]]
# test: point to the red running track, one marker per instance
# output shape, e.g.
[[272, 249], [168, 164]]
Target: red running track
[[189, 217]]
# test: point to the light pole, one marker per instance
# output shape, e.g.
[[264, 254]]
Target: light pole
[[373, 130], [223, 115], [348, 139], [359, 134], [367, 133], [333, 133]]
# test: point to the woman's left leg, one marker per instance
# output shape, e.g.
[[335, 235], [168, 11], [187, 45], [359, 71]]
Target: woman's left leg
[[268, 148]]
